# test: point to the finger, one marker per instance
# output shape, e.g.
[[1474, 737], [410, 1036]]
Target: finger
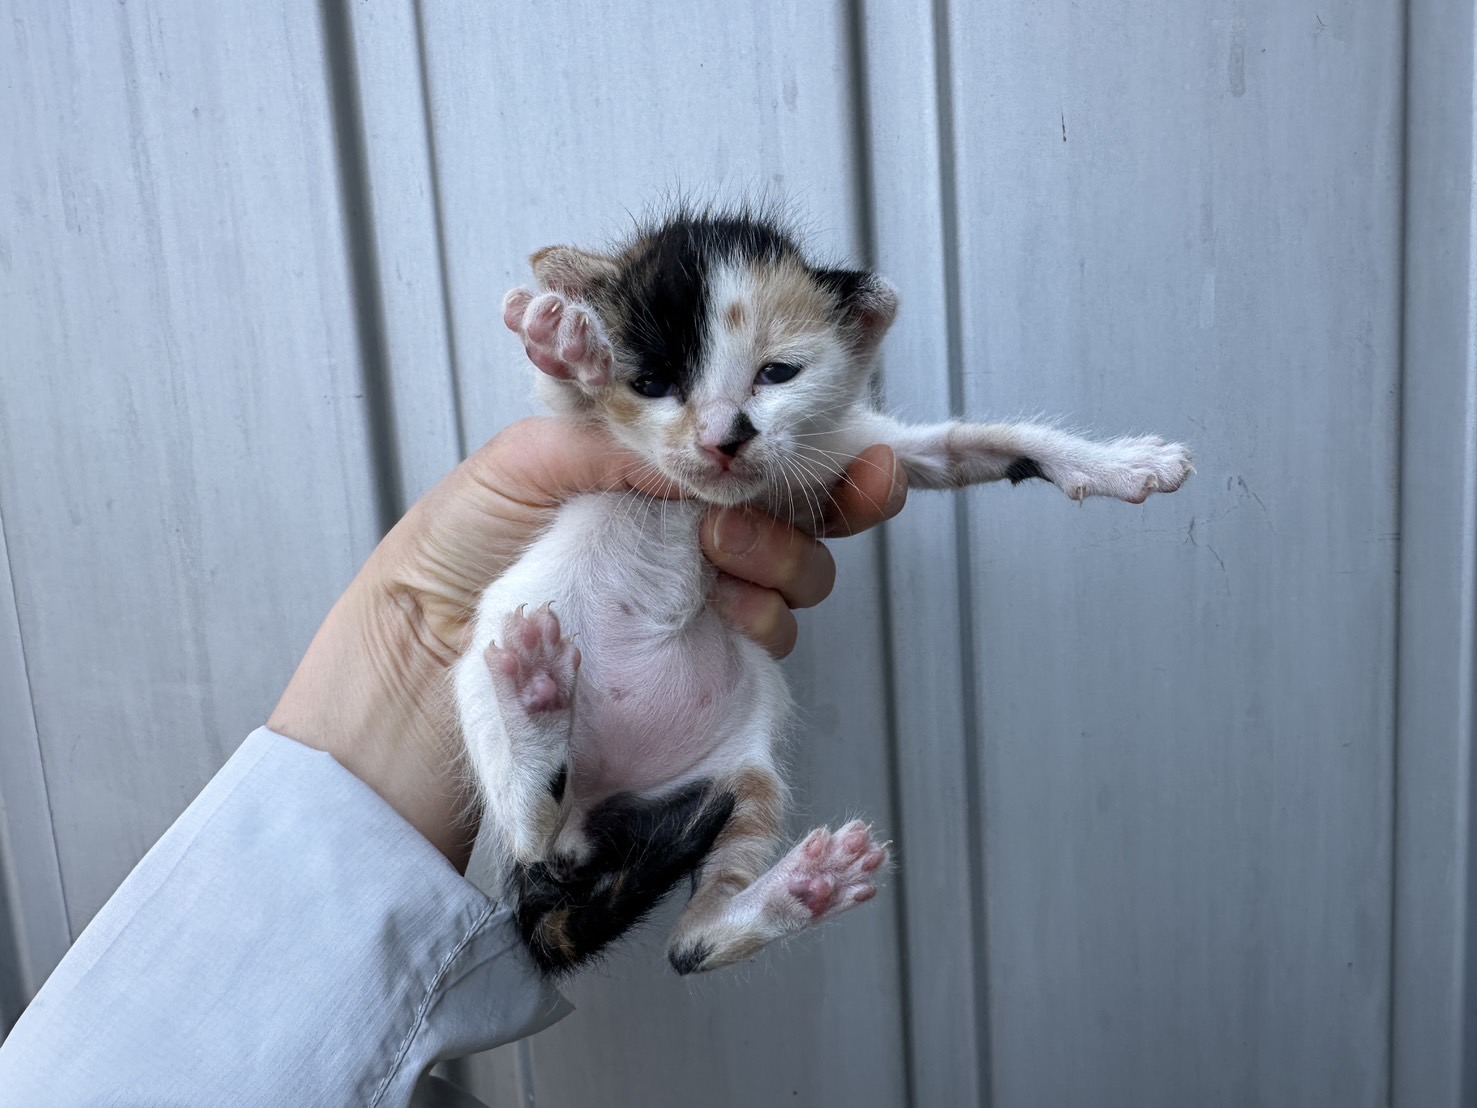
[[874, 488], [760, 613], [760, 549], [542, 462]]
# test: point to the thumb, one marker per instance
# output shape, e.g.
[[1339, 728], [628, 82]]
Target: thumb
[[542, 462]]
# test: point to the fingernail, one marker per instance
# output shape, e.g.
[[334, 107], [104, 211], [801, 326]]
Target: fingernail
[[735, 533], [899, 494]]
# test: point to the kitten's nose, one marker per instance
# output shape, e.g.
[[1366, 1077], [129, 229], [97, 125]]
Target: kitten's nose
[[727, 449]]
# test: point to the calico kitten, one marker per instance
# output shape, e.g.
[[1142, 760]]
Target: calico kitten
[[710, 347]]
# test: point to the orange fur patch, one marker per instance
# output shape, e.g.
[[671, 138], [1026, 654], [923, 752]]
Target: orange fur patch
[[623, 406], [788, 300], [756, 811]]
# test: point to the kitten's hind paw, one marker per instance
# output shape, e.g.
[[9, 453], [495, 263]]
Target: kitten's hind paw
[[829, 873], [822, 876], [566, 340]]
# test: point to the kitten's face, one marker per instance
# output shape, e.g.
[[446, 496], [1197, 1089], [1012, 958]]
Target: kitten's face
[[739, 404], [734, 359]]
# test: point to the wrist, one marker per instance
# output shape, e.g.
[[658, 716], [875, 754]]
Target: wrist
[[373, 690]]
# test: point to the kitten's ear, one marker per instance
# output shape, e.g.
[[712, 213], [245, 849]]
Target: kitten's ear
[[867, 301], [574, 273]]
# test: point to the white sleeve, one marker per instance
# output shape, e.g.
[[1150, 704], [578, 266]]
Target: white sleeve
[[290, 940]]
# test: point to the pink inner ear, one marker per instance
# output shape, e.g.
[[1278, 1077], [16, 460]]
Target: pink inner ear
[[575, 273], [876, 309]]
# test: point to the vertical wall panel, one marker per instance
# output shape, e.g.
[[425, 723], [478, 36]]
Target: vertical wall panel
[[939, 857], [1188, 224], [551, 124], [1433, 1046], [183, 464], [400, 187]]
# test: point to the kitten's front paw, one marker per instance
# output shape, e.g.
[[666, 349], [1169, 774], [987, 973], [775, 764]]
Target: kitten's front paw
[[829, 873], [535, 667], [1131, 470], [566, 340]]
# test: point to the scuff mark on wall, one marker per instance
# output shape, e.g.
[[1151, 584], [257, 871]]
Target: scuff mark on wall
[[1236, 63]]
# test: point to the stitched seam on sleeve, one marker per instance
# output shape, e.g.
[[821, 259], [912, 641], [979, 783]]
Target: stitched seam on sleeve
[[425, 1004]]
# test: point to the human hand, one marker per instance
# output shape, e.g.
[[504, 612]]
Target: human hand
[[372, 689]]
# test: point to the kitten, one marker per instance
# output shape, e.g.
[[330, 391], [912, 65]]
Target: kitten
[[710, 347]]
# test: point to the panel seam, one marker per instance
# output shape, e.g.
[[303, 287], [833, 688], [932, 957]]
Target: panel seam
[[36, 729], [362, 256], [974, 770], [866, 229], [1399, 404], [438, 214]]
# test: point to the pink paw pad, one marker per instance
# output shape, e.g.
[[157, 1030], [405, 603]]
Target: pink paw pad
[[563, 339], [534, 663], [833, 872]]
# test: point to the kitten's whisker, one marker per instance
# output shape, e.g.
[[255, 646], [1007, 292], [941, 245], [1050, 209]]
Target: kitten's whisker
[[849, 461], [791, 465], [832, 484]]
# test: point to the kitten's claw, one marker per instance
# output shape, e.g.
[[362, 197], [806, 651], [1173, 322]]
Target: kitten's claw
[[823, 875], [829, 873], [565, 340], [534, 667], [1129, 469]]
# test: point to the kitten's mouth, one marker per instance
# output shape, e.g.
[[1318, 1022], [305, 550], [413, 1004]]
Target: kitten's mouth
[[734, 485]]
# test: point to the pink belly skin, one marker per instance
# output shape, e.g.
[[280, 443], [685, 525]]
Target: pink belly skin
[[651, 706]]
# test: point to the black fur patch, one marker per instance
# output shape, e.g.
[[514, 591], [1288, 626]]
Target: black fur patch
[[658, 305], [559, 782], [742, 431], [690, 959], [641, 848], [1023, 469]]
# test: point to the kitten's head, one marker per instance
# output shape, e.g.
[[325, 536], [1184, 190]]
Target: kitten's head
[[735, 359]]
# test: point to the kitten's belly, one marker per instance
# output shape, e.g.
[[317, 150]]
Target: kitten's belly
[[653, 706], [665, 688]]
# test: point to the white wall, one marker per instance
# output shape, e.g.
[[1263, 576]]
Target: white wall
[[1180, 791]]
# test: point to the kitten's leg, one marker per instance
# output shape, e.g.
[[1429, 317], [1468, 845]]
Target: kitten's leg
[[636, 849], [523, 765], [738, 906], [950, 455], [565, 339]]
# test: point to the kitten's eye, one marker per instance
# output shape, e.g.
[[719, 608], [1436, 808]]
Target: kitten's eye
[[652, 385], [777, 373]]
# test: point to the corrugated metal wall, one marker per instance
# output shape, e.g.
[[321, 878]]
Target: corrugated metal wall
[[1181, 791]]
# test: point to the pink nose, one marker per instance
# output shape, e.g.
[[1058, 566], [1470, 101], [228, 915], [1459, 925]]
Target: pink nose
[[727, 449], [719, 455]]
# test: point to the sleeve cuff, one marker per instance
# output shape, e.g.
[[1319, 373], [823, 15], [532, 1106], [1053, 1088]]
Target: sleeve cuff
[[291, 939]]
